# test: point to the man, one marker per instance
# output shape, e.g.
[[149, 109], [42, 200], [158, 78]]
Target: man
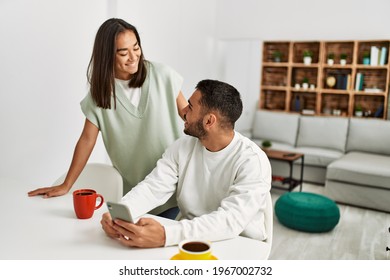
[[221, 178]]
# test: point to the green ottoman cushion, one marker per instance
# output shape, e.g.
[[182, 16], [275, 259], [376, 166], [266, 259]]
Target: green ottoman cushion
[[307, 212]]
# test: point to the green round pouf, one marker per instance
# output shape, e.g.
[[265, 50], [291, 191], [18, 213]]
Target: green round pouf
[[307, 212]]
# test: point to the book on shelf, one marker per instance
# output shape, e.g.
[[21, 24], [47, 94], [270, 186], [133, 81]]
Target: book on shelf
[[342, 81], [349, 79], [374, 55], [339, 81], [373, 90], [359, 81], [383, 54]]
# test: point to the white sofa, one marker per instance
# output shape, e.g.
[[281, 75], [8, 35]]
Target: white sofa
[[350, 156], [362, 176]]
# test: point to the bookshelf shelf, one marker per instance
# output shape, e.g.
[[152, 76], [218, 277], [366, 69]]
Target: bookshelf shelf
[[362, 79]]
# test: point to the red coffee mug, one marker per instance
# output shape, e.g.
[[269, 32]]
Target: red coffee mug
[[84, 202]]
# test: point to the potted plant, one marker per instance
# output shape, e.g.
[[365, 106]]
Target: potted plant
[[330, 58], [307, 55], [366, 58], [358, 110], [266, 144], [277, 56], [305, 83], [343, 59]]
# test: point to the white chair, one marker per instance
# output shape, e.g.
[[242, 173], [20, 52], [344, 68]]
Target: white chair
[[103, 178], [269, 222]]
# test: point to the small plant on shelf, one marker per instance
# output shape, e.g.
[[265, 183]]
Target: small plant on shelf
[[305, 83], [343, 59], [330, 58], [307, 57], [358, 110], [277, 56], [307, 53], [266, 144]]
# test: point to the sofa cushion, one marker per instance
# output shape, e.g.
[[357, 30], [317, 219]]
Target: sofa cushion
[[369, 135], [275, 126], [319, 156], [323, 132], [361, 169]]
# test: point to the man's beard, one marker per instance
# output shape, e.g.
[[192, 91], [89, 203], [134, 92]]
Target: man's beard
[[196, 129]]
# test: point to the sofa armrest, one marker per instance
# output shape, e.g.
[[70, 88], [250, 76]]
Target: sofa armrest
[[369, 135]]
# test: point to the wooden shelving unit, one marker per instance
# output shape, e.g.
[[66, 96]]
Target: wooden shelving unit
[[282, 82]]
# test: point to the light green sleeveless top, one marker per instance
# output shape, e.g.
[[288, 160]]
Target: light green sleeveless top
[[136, 137]]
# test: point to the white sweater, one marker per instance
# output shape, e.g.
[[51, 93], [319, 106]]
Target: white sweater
[[220, 194]]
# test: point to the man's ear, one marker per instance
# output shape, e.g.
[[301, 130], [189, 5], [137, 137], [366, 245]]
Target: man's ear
[[209, 120]]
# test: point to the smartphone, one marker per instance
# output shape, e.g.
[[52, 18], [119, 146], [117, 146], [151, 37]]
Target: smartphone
[[119, 211]]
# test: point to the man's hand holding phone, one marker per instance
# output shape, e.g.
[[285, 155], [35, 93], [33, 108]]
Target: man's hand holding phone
[[119, 224]]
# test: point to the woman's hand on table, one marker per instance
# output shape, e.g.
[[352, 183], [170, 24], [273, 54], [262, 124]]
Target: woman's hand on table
[[50, 191]]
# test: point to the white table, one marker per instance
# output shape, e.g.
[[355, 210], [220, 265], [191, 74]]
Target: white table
[[34, 228]]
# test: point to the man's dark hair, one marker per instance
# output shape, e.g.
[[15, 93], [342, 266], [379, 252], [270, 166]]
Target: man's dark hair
[[221, 97]]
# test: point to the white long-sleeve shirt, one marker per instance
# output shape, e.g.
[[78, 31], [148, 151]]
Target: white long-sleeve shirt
[[220, 194]]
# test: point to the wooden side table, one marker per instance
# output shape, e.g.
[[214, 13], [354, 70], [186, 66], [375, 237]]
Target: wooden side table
[[288, 157]]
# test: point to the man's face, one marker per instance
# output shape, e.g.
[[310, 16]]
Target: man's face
[[127, 56], [193, 117]]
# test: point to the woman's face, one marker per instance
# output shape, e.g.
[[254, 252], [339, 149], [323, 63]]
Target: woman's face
[[128, 53]]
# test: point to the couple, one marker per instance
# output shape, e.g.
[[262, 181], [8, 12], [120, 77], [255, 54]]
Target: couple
[[220, 177]]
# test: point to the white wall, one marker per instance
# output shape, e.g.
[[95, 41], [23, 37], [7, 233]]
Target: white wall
[[176, 32], [46, 45], [303, 19], [44, 51], [239, 65]]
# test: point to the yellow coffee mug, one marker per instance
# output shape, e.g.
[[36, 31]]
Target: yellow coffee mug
[[195, 250]]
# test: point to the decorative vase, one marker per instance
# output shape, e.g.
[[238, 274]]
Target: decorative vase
[[343, 61], [307, 60], [358, 113], [330, 61], [297, 104], [305, 85]]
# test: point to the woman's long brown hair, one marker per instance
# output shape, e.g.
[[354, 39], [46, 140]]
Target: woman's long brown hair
[[101, 67]]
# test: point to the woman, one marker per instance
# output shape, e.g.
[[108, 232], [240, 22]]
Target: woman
[[132, 102]]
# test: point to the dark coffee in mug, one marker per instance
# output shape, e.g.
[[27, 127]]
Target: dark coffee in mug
[[196, 246], [85, 193]]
